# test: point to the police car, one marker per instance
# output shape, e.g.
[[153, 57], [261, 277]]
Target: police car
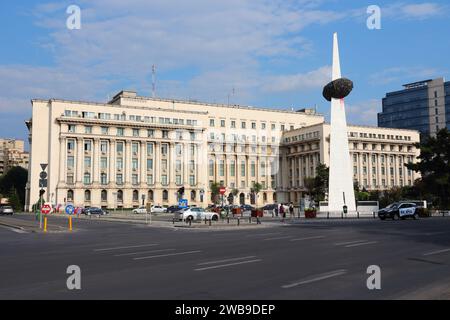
[[399, 210]]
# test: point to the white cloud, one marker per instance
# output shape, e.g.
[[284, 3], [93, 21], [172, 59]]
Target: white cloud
[[364, 112], [416, 11], [396, 74]]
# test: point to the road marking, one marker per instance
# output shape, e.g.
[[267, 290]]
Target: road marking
[[17, 230], [228, 265], [128, 247], [263, 234], [319, 277], [348, 242], [436, 252], [225, 260], [278, 238], [136, 253], [360, 244], [168, 255], [308, 238]]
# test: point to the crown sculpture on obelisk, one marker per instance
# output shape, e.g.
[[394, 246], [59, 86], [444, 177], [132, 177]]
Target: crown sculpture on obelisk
[[340, 185]]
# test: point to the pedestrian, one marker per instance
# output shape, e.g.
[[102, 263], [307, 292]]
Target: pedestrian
[[291, 210], [282, 212], [277, 210]]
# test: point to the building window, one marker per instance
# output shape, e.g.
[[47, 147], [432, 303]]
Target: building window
[[243, 124], [119, 163], [233, 124], [71, 128], [150, 195], [178, 179], [87, 178], [221, 168], [120, 132], [232, 168], [134, 164], [165, 195], [149, 179], [69, 195], [104, 196], [87, 145], [150, 133], [222, 123], [253, 169], [119, 178], [164, 149], [211, 122], [104, 146], [243, 168], [87, 195], [103, 163], [103, 178], [149, 164], [135, 132], [253, 125], [178, 165], [70, 145], [69, 179], [105, 130], [135, 195], [70, 162], [164, 164], [87, 163], [164, 180], [165, 134], [192, 180], [134, 179], [193, 195], [88, 129], [149, 148], [119, 147], [120, 196]]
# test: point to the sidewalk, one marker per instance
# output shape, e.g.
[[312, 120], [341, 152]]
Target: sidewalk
[[29, 225]]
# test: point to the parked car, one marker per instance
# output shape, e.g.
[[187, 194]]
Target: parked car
[[173, 209], [247, 207], [94, 211], [270, 207], [158, 209], [8, 210], [195, 214], [399, 210], [140, 210]]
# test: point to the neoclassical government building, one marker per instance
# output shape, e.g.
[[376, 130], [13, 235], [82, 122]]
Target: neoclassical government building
[[133, 150]]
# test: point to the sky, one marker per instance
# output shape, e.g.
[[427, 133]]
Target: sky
[[266, 53]]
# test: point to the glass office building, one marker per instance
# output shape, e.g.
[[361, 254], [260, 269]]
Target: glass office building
[[423, 106]]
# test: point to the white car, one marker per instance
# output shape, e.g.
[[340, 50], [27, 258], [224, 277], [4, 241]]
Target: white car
[[197, 214], [140, 210], [158, 209]]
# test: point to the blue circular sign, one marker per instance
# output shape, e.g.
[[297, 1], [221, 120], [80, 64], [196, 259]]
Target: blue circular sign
[[70, 209]]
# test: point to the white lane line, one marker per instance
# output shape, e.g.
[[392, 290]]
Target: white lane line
[[436, 252], [167, 255], [17, 230], [360, 244], [127, 247], [141, 252], [319, 277], [228, 265], [307, 238], [225, 260], [263, 234], [348, 242], [278, 238]]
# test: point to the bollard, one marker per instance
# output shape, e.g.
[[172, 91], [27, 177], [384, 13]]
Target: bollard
[[258, 221], [209, 222], [190, 222], [205, 220], [250, 220], [70, 223], [173, 220], [373, 212], [342, 215], [45, 224], [239, 221], [228, 220], [357, 213], [328, 214]]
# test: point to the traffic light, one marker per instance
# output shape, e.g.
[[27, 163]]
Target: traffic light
[[41, 192], [181, 191]]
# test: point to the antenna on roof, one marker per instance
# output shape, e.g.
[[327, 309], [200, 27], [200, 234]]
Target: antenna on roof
[[153, 81]]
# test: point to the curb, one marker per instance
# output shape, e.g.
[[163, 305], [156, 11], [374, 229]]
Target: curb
[[12, 226]]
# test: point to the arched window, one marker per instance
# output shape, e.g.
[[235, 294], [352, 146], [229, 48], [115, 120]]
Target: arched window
[[135, 195], [87, 195], [70, 195], [274, 197], [150, 195], [264, 196], [242, 198], [120, 196], [104, 195], [193, 195], [165, 195]]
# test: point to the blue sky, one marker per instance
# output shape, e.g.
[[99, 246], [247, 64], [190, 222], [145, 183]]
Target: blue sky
[[273, 53]]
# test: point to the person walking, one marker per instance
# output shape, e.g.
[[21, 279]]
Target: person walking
[[282, 212], [291, 210]]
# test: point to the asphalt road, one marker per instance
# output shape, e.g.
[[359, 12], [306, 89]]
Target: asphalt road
[[300, 260]]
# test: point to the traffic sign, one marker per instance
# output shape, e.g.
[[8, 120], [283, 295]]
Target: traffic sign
[[70, 209], [44, 166], [222, 190], [183, 204], [46, 209], [43, 175], [42, 183]]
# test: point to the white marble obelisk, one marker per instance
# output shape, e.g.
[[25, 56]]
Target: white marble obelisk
[[340, 187]]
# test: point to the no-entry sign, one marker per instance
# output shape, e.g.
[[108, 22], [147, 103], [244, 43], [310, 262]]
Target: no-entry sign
[[222, 190], [46, 209]]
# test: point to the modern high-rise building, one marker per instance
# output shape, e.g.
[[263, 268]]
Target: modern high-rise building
[[423, 106], [136, 149], [12, 154]]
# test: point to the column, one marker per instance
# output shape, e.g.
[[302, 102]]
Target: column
[[171, 159], [185, 165], [112, 162], [79, 161], [96, 159], [143, 164], [157, 164], [62, 159], [127, 178]]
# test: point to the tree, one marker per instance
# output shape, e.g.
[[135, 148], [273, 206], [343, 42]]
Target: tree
[[14, 200], [215, 191], [16, 178], [257, 187], [321, 181], [310, 184], [434, 166]]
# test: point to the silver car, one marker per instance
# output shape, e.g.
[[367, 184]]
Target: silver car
[[8, 210]]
